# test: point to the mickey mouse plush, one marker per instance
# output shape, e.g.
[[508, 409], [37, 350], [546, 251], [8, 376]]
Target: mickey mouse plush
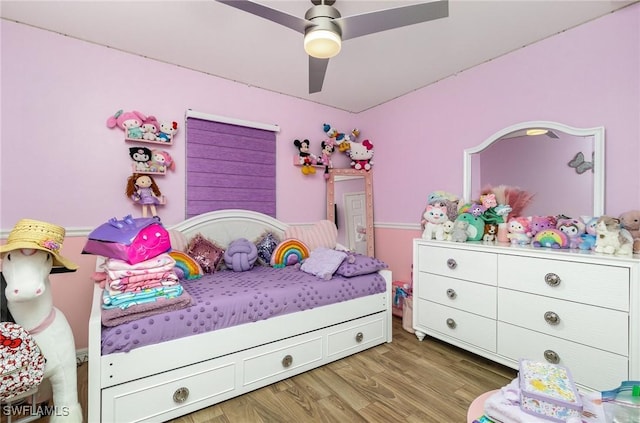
[[305, 158]]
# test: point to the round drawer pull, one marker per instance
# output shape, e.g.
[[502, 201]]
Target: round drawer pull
[[551, 356], [551, 318], [451, 293], [451, 323], [552, 279], [359, 337], [451, 264], [181, 395], [287, 360]]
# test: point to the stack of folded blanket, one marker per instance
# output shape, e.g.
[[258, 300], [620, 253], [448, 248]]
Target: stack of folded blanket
[[133, 291]]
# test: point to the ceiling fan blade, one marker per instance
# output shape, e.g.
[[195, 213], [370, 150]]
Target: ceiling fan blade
[[277, 16], [317, 69], [383, 20], [552, 134]]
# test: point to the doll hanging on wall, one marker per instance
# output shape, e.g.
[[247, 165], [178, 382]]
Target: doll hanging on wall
[[142, 189], [328, 147]]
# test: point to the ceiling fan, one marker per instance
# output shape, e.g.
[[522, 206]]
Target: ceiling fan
[[324, 28]]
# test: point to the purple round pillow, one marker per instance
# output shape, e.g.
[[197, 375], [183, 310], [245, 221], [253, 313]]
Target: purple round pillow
[[241, 255]]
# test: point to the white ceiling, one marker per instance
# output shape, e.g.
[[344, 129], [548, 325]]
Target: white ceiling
[[220, 40]]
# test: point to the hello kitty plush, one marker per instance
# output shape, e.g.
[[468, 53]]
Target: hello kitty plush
[[434, 218], [519, 232], [167, 131], [361, 155]]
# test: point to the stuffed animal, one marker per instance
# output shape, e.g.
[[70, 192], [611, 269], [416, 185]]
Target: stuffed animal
[[447, 227], [539, 223], [551, 238], [161, 161], [477, 209], [361, 155], [328, 147], [519, 232], [129, 122], [167, 131], [490, 232], [588, 238], [611, 238], [434, 217], [150, 128], [573, 229], [475, 230], [141, 156], [488, 200], [305, 158], [459, 233], [630, 221], [447, 199]]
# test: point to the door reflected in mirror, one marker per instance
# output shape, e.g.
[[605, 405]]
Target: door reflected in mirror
[[350, 206]]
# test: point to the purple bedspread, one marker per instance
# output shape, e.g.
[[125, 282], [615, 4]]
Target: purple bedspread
[[228, 298]]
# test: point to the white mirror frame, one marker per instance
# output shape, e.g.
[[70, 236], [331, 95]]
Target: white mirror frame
[[598, 148]]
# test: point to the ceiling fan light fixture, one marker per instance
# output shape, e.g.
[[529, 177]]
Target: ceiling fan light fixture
[[536, 131], [322, 43]]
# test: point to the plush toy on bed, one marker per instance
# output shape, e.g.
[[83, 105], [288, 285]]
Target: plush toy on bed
[[240, 255], [630, 221]]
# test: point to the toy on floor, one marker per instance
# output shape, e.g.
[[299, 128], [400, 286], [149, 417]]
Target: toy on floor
[[32, 249], [142, 189]]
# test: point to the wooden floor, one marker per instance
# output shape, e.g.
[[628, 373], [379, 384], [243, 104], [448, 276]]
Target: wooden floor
[[404, 381]]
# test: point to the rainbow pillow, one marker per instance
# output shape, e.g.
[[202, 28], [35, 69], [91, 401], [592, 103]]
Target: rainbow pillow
[[289, 252], [187, 265]]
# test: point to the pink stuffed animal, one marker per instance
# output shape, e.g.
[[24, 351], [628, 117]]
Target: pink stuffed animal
[[630, 221], [129, 122], [519, 232]]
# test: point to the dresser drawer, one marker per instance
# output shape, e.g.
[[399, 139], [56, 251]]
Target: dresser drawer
[[461, 264], [467, 327], [604, 286], [355, 336], [594, 368], [468, 296], [602, 328], [282, 357], [148, 399]]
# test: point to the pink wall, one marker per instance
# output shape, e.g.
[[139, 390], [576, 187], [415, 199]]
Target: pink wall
[[60, 163]]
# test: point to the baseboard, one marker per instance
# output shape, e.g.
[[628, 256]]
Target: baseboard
[[82, 356]]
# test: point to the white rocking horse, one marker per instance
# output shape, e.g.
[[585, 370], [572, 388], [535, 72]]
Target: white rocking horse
[[29, 299]]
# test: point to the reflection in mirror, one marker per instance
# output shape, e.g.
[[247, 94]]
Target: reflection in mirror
[[562, 166], [350, 206]]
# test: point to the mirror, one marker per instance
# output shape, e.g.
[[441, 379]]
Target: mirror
[[563, 166], [350, 206]]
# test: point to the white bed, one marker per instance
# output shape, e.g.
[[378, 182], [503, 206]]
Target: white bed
[[164, 381]]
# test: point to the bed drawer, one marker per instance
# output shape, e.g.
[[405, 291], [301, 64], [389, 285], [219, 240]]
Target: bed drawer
[[288, 356], [466, 327], [154, 398], [604, 286], [580, 359], [462, 264], [602, 328], [355, 336], [468, 296]]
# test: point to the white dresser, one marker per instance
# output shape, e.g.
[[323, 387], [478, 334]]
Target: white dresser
[[574, 308]]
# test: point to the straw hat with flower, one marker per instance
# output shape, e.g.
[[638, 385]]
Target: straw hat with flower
[[34, 234]]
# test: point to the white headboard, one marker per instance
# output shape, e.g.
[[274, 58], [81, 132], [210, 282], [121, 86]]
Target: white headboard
[[224, 226]]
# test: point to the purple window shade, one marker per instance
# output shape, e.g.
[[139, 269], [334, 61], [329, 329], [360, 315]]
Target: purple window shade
[[229, 167]]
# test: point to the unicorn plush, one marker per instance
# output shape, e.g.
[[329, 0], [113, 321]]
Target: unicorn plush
[[32, 249]]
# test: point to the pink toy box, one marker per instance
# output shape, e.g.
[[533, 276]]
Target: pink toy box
[[547, 391]]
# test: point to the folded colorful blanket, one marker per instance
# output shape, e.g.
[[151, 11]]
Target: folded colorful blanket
[[117, 269], [117, 316], [125, 300], [138, 282]]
